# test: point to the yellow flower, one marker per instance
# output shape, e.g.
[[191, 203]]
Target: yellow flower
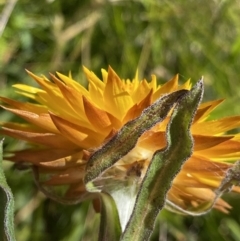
[[66, 123]]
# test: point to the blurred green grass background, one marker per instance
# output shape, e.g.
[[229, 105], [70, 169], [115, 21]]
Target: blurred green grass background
[[192, 38]]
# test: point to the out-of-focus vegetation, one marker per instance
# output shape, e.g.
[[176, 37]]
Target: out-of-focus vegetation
[[192, 38]]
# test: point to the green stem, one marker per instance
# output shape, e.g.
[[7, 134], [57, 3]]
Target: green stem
[[6, 206]]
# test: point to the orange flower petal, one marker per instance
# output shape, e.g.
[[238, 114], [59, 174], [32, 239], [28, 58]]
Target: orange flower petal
[[47, 139], [199, 164], [65, 162], [117, 100], [152, 141], [74, 99], [42, 120], [137, 109], [92, 78], [216, 127], [25, 106], [170, 86], [43, 155], [205, 108], [80, 136], [226, 151], [140, 90], [98, 118], [68, 129], [204, 142], [73, 84]]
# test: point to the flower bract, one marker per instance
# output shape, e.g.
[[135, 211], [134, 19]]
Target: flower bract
[[64, 123]]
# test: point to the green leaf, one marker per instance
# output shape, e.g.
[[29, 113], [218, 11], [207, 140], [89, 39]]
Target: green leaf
[[110, 228], [163, 167], [234, 228], [6, 206]]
